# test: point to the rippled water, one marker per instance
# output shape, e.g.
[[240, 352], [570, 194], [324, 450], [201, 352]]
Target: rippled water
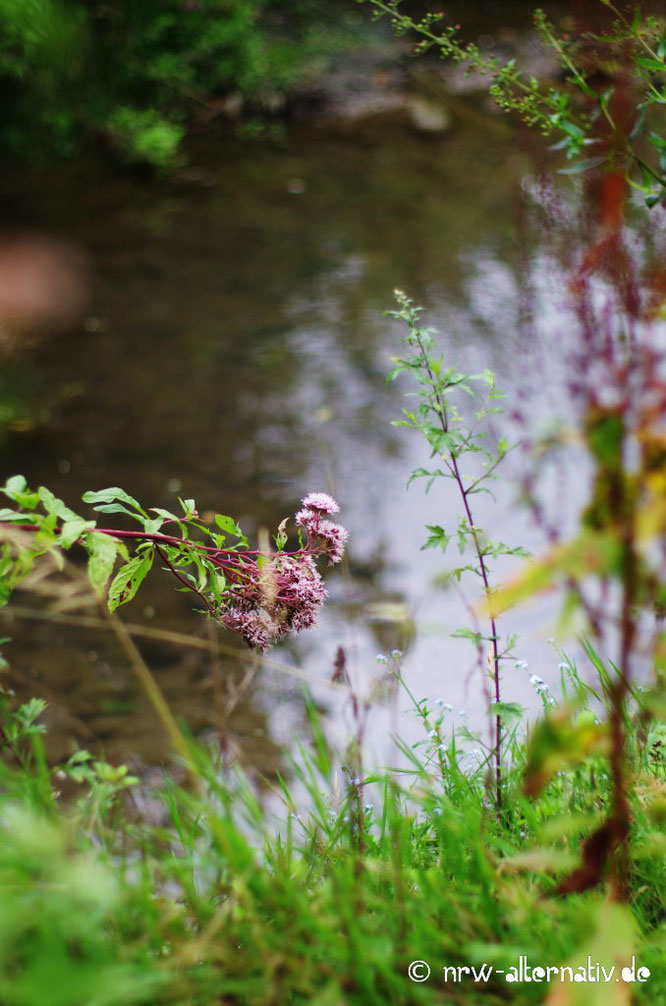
[[235, 351]]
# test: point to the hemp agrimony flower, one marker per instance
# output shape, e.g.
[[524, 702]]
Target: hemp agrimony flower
[[260, 594]]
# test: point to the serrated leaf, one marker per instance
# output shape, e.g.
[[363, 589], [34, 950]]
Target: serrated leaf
[[118, 508], [228, 524], [507, 711], [438, 538], [128, 579], [110, 495], [218, 585], [72, 530], [165, 514], [56, 506], [152, 524], [103, 550]]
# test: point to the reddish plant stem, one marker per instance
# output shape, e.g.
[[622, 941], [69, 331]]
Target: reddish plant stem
[[235, 570], [166, 539], [181, 579], [212, 551]]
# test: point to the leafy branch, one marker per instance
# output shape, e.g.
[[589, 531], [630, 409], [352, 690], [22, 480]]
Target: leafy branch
[[587, 117], [261, 594]]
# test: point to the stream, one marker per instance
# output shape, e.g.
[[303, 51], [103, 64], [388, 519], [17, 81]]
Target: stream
[[233, 349]]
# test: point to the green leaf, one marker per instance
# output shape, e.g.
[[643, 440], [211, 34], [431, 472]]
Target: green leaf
[[103, 550], [152, 525], [585, 165], [164, 514], [218, 585], [562, 739], [128, 579], [111, 494], [228, 524], [189, 508], [12, 515], [119, 508], [507, 711], [55, 506], [610, 937], [72, 530], [475, 637], [15, 489], [438, 538], [15, 484], [650, 64]]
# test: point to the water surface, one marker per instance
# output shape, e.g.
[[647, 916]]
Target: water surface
[[235, 351]]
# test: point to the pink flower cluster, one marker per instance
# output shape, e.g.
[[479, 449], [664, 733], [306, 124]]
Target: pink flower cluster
[[332, 536], [284, 596]]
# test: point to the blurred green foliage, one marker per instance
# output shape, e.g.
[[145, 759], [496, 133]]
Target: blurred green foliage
[[136, 74], [225, 900]]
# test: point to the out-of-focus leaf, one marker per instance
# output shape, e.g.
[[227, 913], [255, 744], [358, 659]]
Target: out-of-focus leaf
[[557, 742], [591, 552], [102, 550], [72, 530], [539, 860], [610, 945], [581, 166]]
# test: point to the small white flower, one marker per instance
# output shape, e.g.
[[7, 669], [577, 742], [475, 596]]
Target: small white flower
[[432, 733]]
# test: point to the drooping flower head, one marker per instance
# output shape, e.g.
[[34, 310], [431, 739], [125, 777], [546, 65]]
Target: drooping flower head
[[285, 594]]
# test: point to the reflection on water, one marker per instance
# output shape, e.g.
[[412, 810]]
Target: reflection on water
[[235, 351]]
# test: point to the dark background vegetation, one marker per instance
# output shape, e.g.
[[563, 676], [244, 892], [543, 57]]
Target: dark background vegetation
[[134, 78]]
